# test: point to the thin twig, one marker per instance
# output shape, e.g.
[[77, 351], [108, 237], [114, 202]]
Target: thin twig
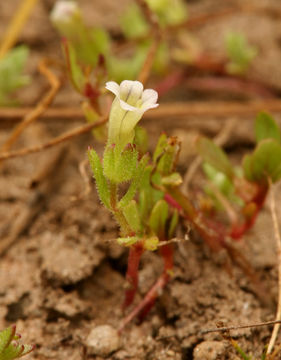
[[156, 33], [227, 84], [227, 328], [150, 17], [278, 249], [38, 110], [59, 139], [147, 65], [178, 109]]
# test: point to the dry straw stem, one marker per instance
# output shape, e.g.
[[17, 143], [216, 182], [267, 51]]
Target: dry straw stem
[[156, 33], [278, 249], [236, 327], [16, 25], [220, 109], [56, 141], [38, 110]]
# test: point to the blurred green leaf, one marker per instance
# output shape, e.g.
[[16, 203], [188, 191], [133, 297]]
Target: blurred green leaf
[[264, 162], [11, 77], [266, 128], [239, 52], [76, 75], [133, 23], [141, 140], [214, 155], [173, 224]]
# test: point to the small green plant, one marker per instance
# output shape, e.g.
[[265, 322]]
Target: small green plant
[[240, 53], [143, 215], [11, 69], [10, 348], [245, 187]]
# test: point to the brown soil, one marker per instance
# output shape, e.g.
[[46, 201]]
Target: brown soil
[[63, 275]]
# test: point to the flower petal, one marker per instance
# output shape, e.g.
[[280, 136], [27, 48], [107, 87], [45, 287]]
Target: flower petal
[[149, 99], [126, 106], [150, 94], [113, 87], [131, 91]]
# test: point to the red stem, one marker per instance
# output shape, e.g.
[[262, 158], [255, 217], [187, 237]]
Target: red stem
[[135, 254], [238, 230], [167, 253]]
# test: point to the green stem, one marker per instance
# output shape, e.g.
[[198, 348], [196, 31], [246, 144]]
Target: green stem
[[125, 228]]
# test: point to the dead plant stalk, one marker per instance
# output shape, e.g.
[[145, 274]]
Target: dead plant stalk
[[278, 248]]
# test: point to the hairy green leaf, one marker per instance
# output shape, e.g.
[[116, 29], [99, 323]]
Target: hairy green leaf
[[101, 182], [135, 183], [132, 216], [158, 218], [6, 336]]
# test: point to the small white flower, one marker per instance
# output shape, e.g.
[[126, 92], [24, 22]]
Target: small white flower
[[127, 109], [64, 11]]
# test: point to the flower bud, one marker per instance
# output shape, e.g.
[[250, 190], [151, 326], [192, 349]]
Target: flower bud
[[66, 17]]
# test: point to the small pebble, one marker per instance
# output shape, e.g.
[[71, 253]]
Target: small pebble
[[209, 350], [102, 341]]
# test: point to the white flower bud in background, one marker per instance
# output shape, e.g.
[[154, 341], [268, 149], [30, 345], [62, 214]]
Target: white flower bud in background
[[66, 16], [127, 109]]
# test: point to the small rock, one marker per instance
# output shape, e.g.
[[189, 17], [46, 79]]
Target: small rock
[[103, 340], [209, 350]]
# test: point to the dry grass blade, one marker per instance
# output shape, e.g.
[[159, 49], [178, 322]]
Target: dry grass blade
[[17, 23], [278, 248], [38, 110], [177, 109], [56, 141], [236, 327]]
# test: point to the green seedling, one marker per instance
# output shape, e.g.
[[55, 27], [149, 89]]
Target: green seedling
[[246, 187], [10, 348], [11, 74], [240, 53]]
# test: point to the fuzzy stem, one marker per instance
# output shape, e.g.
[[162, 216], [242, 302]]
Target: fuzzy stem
[[119, 217], [135, 252]]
